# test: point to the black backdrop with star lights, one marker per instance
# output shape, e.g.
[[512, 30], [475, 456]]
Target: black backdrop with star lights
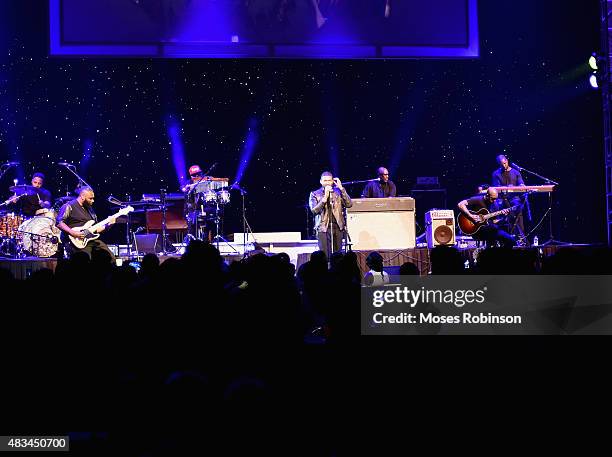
[[527, 95]]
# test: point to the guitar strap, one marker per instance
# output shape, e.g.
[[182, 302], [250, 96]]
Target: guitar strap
[[92, 213]]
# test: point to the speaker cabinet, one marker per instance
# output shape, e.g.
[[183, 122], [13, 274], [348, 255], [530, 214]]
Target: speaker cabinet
[[147, 244], [440, 228], [175, 220], [381, 223]]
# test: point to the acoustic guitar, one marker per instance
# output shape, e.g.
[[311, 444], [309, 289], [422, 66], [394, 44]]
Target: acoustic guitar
[[469, 227]]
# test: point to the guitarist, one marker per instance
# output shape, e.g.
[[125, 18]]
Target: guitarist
[[490, 232], [77, 213]]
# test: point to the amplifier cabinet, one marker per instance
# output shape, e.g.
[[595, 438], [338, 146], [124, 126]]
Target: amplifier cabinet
[[381, 223]]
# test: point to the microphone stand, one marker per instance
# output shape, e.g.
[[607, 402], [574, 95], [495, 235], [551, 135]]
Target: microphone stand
[[330, 228], [544, 178], [349, 183], [551, 239], [129, 235], [70, 169], [162, 201], [348, 243], [245, 223], [128, 232]]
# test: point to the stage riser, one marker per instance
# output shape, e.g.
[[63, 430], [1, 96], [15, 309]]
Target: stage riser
[[23, 268]]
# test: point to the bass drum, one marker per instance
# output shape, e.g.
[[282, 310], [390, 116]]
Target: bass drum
[[40, 236]]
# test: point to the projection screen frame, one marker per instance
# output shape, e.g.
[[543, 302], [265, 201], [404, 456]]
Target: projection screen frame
[[170, 50]]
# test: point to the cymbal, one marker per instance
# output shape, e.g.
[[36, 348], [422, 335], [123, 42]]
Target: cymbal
[[22, 189], [64, 199]]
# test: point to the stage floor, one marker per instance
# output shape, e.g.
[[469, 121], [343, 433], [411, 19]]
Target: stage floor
[[23, 268]]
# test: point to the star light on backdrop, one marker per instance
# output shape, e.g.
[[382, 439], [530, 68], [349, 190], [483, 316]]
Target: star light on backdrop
[[248, 148], [87, 152], [177, 151]]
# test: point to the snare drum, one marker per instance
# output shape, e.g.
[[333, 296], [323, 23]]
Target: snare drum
[[9, 224]]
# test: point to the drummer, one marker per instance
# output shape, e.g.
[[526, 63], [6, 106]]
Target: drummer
[[196, 209], [33, 200], [195, 175]]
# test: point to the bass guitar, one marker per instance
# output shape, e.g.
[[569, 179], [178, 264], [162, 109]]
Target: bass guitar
[[90, 229]]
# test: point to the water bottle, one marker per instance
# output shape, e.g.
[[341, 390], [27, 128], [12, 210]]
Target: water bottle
[[535, 240]]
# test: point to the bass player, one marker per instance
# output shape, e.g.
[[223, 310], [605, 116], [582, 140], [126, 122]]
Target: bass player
[[77, 213]]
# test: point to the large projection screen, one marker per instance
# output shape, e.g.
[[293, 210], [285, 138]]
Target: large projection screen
[[346, 29]]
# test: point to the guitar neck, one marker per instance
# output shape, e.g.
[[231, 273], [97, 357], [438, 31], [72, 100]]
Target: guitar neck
[[94, 228], [497, 213]]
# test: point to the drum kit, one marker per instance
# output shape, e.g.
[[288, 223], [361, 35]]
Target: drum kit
[[210, 196], [212, 190], [22, 236]]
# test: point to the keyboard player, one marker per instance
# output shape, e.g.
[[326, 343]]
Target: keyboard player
[[382, 187], [507, 176]]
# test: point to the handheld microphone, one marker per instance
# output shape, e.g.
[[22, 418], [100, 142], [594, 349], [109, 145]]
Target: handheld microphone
[[65, 164], [138, 230], [516, 166]]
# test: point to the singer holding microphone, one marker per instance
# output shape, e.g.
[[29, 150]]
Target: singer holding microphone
[[328, 204], [507, 176]]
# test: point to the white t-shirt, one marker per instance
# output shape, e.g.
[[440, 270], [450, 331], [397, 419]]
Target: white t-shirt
[[376, 278]]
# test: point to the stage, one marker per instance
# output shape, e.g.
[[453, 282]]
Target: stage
[[421, 257]]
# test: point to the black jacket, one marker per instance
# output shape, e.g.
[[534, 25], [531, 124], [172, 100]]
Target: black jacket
[[374, 190], [339, 201]]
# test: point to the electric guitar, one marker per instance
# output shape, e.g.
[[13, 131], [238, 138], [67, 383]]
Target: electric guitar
[[91, 228], [469, 227]]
